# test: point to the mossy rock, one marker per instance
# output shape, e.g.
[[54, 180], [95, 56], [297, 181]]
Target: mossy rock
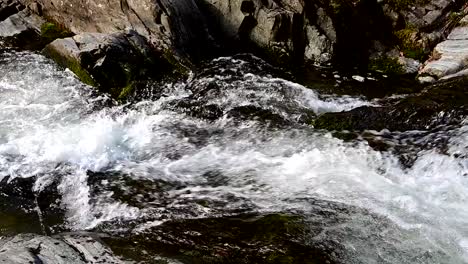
[[71, 63], [116, 63], [409, 45], [51, 31], [386, 65]]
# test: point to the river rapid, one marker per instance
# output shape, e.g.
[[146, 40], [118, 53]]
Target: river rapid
[[100, 157]]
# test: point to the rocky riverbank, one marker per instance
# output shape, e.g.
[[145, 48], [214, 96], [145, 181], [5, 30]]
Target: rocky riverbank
[[389, 37]]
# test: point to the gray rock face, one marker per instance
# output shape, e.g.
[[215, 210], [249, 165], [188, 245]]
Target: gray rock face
[[451, 56], [168, 25], [68, 249], [9, 8], [286, 31], [282, 28], [21, 30]]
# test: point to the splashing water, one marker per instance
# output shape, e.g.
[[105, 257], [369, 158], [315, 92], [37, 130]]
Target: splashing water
[[53, 128]]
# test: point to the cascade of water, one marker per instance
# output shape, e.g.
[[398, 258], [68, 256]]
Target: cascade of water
[[53, 129]]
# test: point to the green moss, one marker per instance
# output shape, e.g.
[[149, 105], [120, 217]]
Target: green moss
[[172, 60], [273, 226], [415, 53], [51, 31], [455, 17], [408, 44], [333, 122], [386, 65], [125, 92], [72, 64], [276, 258], [81, 73]]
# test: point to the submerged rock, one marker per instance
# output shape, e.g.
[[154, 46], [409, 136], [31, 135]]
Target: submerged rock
[[243, 87], [273, 238], [440, 104]]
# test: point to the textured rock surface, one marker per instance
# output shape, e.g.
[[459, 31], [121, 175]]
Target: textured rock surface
[[73, 249], [290, 32], [168, 25], [450, 57], [282, 28], [22, 30], [9, 8]]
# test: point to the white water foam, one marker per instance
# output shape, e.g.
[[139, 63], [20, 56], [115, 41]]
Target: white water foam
[[48, 127]]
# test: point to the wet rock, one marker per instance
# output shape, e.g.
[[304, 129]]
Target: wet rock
[[426, 79], [24, 209], [112, 62], [439, 104], [327, 232], [22, 28], [73, 249], [455, 75], [274, 238], [233, 87], [297, 31]]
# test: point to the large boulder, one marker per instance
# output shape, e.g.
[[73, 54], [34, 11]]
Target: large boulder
[[112, 62]]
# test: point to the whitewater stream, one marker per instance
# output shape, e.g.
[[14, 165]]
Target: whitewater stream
[[100, 157]]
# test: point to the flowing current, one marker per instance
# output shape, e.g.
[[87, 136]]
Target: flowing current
[[54, 129]]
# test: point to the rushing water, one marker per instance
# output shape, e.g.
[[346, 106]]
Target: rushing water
[[54, 129]]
